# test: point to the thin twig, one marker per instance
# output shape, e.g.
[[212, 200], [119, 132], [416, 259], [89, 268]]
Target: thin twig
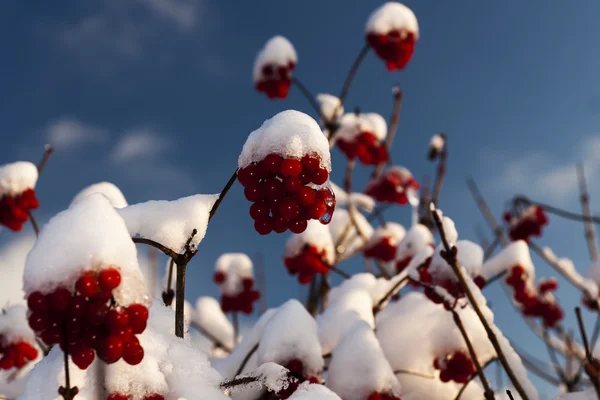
[[487, 213], [587, 213], [340, 272], [182, 260], [159, 246], [464, 387], [348, 176], [47, 152], [510, 396], [588, 354], [451, 259], [413, 373], [246, 359], [595, 331], [440, 171], [483, 241], [168, 293], [554, 359], [393, 290], [244, 380], [34, 224], [311, 99], [236, 326], [222, 195], [219, 344], [67, 392], [556, 211], [392, 127]]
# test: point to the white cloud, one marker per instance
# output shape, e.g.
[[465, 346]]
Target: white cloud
[[182, 13], [69, 132], [538, 174], [138, 144]]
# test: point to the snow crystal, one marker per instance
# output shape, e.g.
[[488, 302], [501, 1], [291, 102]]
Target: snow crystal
[[291, 334], [358, 366], [344, 232], [351, 125], [290, 134], [110, 191], [278, 50], [17, 177], [308, 391], [317, 235], [12, 263], [392, 16], [88, 236], [330, 104], [236, 267], [516, 253], [170, 223], [210, 318]]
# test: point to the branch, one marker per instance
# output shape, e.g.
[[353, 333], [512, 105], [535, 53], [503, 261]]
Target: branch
[[222, 195], [393, 290], [348, 177], [554, 359], [441, 171], [67, 392], [236, 326], [392, 127], [487, 213], [47, 152], [312, 100], [585, 207], [451, 259], [588, 354], [34, 224], [210, 337], [156, 245], [246, 359], [464, 387], [413, 373], [182, 261], [168, 293], [556, 211], [510, 396]]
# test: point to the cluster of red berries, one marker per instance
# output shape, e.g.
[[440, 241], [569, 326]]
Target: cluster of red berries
[[528, 224], [535, 302], [453, 287], [89, 321], [121, 396], [14, 211], [275, 80], [383, 250], [366, 148], [391, 186], [457, 367], [16, 354], [307, 263], [296, 368], [243, 301], [394, 47], [382, 396], [282, 199]]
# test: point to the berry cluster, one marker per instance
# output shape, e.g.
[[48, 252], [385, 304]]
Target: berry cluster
[[383, 250], [457, 367], [14, 211], [16, 354], [307, 263], [89, 321], [452, 286], [281, 193], [365, 147], [392, 186], [121, 396], [275, 80], [242, 301], [535, 302], [382, 396], [296, 368], [395, 47], [529, 223]]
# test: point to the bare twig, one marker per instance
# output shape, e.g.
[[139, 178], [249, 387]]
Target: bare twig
[[392, 127], [182, 261], [168, 293], [393, 290], [510, 396], [156, 245], [312, 300], [451, 259], [246, 359], [554, 359], [47, 152], [556, 211], [440, 171], [348, 176], [413, 373], [464, 387], [34, 224], [218, 343], [483, 241], [222, 195], [67, 392], [311, 99], [588, 354], [587, 213], [487, 213], [236, 326]]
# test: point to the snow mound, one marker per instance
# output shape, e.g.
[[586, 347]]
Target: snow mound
[[17, 177], [392, 230], [278, 50], [330, 104], [351, 125], [469, 257], [392, 16], [317, 235], [12, 262], [236, 267], [416, 239], [516, 253], [109, 190], [210, 318], [344, 232], [308, 391]]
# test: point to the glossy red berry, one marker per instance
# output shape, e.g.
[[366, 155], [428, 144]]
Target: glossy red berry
[[310, 162], [297, 226], [38, 322], [78, 306], [133, 353], [219, 277], [289, 209], [259, 211], [37, 302], [290, 168], [96, 312], [272, 188], [112, 349], [82, 357], [109, 279], [254, 192], [87, 284], [117, 396], [280, 224], [306, 196], [248, 175], [264, 227], [270, 165], [117, 318], [154, 397], [59, 299], [318, 209], [292, 185], [320, 176], [138, 315]]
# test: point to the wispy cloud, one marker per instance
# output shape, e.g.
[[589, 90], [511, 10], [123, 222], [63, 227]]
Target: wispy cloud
[[183, 13], [69, 132], [538, 174], [138, 144]]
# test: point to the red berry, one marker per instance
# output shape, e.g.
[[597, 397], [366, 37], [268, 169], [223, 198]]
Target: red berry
[[38, 322], [280, 224], [270, 165], [219, 277], [154, 397], [290, 168], [78, 306], [292, 185], [6, 362], [318, 209], [112, 349], [117, 396], [82, 357], [306, 196], [125, 333], [254, 192], [247, 283], [295, 365], [37, 302], [138, 315], [298, 226], [289, 209], [248, 175], [310, 162], [264, 227], [133, 353], [259, 211], [272, 188], [59, 299], [320, 176], [96, 312], [109, 279], [28, 351], [87, 284], [117, 318], [50, 337]]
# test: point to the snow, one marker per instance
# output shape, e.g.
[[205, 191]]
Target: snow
[[291, 333], [17, 177], [358, 200], [567, 269], [209, 316], [289, 134], [170, 223], [437, 142], [317, 235], [14, 326], [278, 50], [109, 190], [516, 253], [392, 16], [236, 267], [308, 391], [469, 257], [351, 125], [90, 235], [416, 239], [391, 230], [330, 104], [358, 366], [342, 228], [589, 394], [12, 262]]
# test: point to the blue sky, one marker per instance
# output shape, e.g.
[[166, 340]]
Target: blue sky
[[156, 96]]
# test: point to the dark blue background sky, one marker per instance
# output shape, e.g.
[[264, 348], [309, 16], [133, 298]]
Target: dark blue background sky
[[156, 96]]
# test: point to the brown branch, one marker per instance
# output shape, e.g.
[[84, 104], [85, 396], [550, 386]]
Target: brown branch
[[245, 380], [392, 127], [246, 359], [487, 213], [587, 213], [510, 396], [236, 326], [451, 259], [312, 100], [222, 195], [67, 392], [464, 387], [34, 224], [156, 245], [588, 354], [348, 178], [520, 199], [47, 152], [219, 344], [440, 171], [413, 373], [168, 293], [182, 260]]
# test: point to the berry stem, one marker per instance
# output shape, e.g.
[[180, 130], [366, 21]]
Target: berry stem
[[451, 259], [440, 172], [413, 373], [311, 99], [587, 213], [34, 224], [180, 300], [66, 392], [487, 213], [222, 195], [588, 354], [246, 359], [510, 396], [520, 199], [392, 127], [236, 326], [47, 152], [212, 338]]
